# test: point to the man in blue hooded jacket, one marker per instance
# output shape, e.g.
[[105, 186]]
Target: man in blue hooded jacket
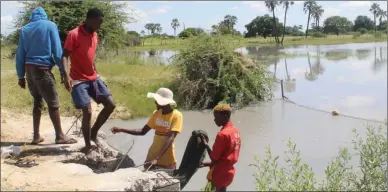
[[38, 51]]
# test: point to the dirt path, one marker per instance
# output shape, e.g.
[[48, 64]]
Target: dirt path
[[52, 173]]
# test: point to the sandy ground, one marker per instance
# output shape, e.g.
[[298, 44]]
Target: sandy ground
[[51, 174]]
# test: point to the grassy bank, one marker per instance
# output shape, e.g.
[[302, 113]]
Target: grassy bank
[[175, 44], [129, 81]]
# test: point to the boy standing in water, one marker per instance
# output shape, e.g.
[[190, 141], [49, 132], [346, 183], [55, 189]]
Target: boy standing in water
[[167, 123], [226, 149]]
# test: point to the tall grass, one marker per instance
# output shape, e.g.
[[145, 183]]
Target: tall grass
[[128, 78]]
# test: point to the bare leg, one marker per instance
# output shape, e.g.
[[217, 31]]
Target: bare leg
[[36, 115], [56, 120], [109, 107], [86, 117]]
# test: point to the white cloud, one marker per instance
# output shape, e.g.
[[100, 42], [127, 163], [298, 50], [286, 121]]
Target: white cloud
[[7, 5], [234, 8], [330, 11], [161, 10], [356, 4], [6, 24]]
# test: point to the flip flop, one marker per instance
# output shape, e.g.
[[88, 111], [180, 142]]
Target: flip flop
[[27, 163], [68, 141], [37, 142]]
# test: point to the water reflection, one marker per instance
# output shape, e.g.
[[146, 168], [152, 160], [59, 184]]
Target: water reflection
[[351, 78], [362, 54], [289, 84], [379, 62]]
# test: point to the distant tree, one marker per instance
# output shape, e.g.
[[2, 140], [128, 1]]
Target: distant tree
[[158, 28], [148, 26], [229, 21], [271, 5], [188, 32], [286, 5], [363, 22], [381, 14], [374, 9], [68, 14], [337, 25], [175, 24], [317, 12], [307, 8], [142, 33], [261, 25]]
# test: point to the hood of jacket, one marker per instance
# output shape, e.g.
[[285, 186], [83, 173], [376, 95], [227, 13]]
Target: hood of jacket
[[38, 14]]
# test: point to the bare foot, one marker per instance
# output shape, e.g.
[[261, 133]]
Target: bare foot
[[97, 142], [87, 149], [94, 136], [36, 141], [65, 140]]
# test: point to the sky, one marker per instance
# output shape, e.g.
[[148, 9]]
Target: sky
[[204, 14]]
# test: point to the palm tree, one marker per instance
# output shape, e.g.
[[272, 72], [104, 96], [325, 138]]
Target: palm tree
[[271, 5], [175, 24], [375, 10], [307, 8], [286, 5], [381, 14], [310, 75], [317, 13]]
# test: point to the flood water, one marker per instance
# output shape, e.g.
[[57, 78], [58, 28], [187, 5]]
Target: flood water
[[351, 78]]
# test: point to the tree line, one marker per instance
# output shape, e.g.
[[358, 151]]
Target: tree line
[[68, 15]]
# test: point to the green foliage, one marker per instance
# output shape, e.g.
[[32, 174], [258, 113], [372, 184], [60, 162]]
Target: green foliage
[[362, 31], [261, 25], [337, 25], [356, 35], [189, 32], [363, 22], [370, 175], [318, 35], [69, 14], [212, 72]]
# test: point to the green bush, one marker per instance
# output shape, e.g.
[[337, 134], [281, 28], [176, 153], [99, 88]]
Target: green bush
[[318, 35], [379, 34], [363, 31], [370, 175], [356, 35], [211, 72]]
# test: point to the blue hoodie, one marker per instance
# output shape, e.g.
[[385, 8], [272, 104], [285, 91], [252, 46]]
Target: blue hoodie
[[39, 43]]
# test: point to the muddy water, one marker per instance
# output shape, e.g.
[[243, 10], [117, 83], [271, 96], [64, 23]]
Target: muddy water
[[351, 78]]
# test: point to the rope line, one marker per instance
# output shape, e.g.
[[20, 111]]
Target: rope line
[[320, 110]]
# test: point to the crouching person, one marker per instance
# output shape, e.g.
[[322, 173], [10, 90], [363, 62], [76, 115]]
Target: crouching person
[[225, 152], [167, 123]]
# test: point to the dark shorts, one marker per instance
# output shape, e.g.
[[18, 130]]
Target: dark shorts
[[41, 83], [82, 92]]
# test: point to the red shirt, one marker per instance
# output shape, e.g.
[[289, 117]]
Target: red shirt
[[226, 150], [82, 46]]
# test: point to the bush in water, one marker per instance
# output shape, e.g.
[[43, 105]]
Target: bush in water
[[370, 175], [211, 72]]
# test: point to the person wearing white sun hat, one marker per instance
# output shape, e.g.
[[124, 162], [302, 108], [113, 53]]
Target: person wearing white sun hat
[[167, 123]]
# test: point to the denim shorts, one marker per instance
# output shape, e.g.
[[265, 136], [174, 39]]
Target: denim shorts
[[82, 92]]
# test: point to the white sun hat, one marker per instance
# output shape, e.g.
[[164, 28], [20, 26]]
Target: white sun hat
[[163, 96]]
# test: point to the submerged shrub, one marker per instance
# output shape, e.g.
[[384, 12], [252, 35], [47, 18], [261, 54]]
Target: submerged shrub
[[370, 174], [211, 72]]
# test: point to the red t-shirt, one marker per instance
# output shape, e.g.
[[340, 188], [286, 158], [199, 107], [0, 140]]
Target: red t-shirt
[[226, 150], [82, 46]]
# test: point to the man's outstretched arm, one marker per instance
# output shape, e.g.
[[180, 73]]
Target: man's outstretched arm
[[143, 131]]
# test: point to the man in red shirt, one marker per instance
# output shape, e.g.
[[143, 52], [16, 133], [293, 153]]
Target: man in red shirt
[[226, 149], [83, 81]]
